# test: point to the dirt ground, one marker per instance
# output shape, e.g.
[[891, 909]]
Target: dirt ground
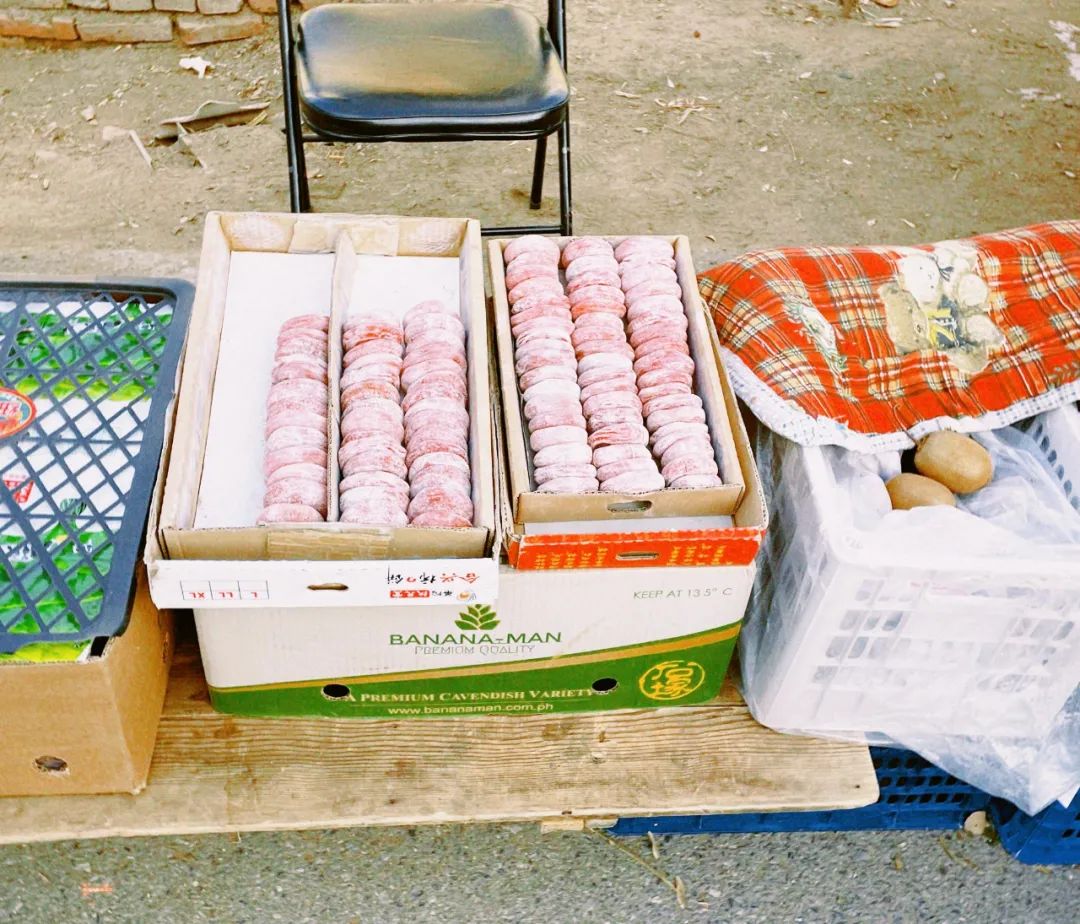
[[739, 122]]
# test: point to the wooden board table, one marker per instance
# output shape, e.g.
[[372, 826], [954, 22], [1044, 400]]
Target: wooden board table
[[215, 772]]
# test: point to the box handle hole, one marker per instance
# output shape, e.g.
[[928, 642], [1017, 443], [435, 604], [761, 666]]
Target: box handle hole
[[336, 692], [48, 764], [330, 586], [636, 506], [605, 684], [637, 556]]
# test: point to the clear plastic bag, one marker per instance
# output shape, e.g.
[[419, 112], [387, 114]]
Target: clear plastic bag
[[1023, 504], [1024, 498], [1029, 772]]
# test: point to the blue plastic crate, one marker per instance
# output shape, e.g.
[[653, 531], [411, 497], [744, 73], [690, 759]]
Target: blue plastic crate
[[1050, 838], [914, 795]]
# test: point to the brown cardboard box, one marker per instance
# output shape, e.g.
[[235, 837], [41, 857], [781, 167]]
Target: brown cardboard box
[[89, 727], [346, 238], [532, 506], [660, 528]]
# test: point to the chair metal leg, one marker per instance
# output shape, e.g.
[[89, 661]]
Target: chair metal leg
[[566, 213], [299, 196], [538, 173]]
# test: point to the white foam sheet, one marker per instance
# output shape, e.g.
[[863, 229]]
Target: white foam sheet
[[265, 290], [392, 285]]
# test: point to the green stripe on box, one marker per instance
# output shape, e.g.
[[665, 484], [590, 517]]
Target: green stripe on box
[[676, 672]]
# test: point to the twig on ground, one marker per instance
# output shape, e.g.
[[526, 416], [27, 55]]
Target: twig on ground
[[672, 882], [955, 857], [142, 149], [652, 845]]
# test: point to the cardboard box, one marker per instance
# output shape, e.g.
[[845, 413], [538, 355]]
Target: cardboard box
[[206, 549], [709, 527], [607, 639], [355, 632], [87, 727], [549, 642]]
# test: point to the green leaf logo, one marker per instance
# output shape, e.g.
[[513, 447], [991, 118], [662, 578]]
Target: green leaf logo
[[476, 618]]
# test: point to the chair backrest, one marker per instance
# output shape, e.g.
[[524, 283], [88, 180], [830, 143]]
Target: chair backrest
[[556, 27]]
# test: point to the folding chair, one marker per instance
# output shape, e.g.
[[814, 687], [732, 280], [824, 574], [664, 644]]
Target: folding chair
[[429, 72]]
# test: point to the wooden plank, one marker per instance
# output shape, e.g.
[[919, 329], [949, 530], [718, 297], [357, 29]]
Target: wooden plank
[[215, 772]]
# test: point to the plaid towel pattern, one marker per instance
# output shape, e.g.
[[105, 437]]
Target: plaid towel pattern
[[872, 347]]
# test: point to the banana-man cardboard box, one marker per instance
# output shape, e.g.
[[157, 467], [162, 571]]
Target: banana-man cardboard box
[[523, 642], [551, 642]]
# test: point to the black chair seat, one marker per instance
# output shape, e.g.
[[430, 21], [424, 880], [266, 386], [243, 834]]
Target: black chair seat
[[393, 71]]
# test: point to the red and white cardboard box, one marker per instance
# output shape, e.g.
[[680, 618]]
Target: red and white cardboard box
[[699, 527]]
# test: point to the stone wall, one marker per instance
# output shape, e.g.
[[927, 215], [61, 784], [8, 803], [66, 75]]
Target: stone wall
[[193, 22]]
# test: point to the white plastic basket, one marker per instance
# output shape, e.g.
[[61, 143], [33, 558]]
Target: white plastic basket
[[841, 643]]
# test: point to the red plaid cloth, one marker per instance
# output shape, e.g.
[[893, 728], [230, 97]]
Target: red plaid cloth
[[831, 344]]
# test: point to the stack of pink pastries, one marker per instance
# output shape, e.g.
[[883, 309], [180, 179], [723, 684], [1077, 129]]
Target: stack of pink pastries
[[546, 366], [373, 490], [605, 369], [435, 404], [296, 424], [657, 325]]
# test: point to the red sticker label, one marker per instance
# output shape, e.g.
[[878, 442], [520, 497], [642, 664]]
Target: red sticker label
[[16, 412], [20, 486]]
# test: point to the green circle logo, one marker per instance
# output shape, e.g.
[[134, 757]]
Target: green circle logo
[[671, 680]]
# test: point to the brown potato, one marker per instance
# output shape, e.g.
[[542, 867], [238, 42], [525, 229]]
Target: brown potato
[[957, 461], [907, 491]]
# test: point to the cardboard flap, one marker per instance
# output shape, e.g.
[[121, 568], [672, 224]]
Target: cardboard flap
[[371, 238], [257, 231], [648, 509], [353, 583], [197, 377], [319, 545]]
